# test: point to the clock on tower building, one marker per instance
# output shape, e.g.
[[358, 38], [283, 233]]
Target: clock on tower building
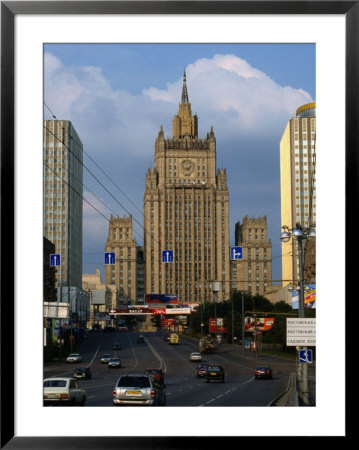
[[186, 209]]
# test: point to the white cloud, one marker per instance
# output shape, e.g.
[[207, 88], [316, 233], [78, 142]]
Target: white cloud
[[118, 129]]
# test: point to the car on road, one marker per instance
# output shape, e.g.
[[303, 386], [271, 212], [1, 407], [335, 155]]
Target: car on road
[[82, 372], [63, 391], [157, 374], [116, 346], [214, 373], [74, 357], [114, 362], [105, 358], [140, 339], [195, 356], [201, 370], [123, 329], [138, 389], [263, 372]]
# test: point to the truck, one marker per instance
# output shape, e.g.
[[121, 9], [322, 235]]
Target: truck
[[174, 338], [207, 344]]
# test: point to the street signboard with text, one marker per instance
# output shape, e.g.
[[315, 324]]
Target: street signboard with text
[[301, 332]]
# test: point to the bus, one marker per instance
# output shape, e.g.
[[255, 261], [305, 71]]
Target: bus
[[174, 338]]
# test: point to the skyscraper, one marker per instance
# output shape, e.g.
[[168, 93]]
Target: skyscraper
[[62, 203], [297, 181], [254, 270], [127, 272], [186, 210]]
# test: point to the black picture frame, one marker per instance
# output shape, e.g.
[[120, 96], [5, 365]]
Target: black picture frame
[[9, 9]]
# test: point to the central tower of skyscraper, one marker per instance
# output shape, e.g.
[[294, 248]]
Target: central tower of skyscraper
[[186, 209]]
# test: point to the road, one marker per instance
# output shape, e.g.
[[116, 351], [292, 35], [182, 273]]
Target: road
[[183, 388]]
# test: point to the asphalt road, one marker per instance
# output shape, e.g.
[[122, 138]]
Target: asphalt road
[[183, 388]]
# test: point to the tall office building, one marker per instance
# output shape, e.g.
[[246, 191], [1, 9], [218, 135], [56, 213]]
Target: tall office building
[[62, 202], [253, 273], [186, 209], [127, 272], [297, 181]]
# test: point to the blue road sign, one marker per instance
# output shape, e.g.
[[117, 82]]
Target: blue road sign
[[110, 258], [305, 356], [236, 253], [55, 259], [167, 256]]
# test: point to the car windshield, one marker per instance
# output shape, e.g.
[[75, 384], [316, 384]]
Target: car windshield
[[55, 383], [74, 354], [114, 360], [214, 368], [128, 381]]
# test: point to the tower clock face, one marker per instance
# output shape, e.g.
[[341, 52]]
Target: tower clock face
[[187, 167]]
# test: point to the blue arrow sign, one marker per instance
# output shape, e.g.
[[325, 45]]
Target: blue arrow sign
[[305, 356], [55, 259], [110, 258], [167, 256], [236, 253]]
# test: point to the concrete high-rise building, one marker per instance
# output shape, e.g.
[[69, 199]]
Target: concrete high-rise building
[[253, 273], [62, 203], [127, 272], [297, 181], [186, 209]]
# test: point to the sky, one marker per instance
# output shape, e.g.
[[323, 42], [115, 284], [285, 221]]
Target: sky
[[119, 95]]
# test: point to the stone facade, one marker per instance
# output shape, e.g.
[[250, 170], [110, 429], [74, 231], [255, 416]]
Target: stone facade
[[253, 273], [186, 209], [127, 274]]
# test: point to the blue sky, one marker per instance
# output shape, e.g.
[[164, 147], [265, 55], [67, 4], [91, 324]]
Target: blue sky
[[118, 95]]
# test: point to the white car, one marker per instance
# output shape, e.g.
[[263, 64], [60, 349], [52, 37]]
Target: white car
[[74, 357], [196, 356], [63, 391]]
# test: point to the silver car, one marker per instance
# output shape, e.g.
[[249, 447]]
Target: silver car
[[105, 358], [74, 357], [114, 362], [138, 389]]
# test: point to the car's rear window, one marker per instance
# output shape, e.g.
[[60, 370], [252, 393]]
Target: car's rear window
[[128, 381], [55, 383], [214, 369]]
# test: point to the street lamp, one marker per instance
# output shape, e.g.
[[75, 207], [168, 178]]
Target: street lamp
[[300, 234]]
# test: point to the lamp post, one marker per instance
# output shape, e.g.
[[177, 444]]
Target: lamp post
[[243, 348], [301, 234]]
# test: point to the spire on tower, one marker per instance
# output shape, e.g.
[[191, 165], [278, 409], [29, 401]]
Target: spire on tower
[[184, 89]]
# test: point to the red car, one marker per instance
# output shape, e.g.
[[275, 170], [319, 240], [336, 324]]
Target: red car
[[157, 374], [263, 372]]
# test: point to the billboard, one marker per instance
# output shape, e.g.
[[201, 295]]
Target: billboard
[[216, 326], [258, 323], [98, 297], [165, 299], [309, 298]]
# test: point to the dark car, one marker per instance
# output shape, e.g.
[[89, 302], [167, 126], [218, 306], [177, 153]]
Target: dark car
[[201, 370], [82, 372], [140, 340], [157, 374], [116, 346], [214, 373], [263, 372]]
